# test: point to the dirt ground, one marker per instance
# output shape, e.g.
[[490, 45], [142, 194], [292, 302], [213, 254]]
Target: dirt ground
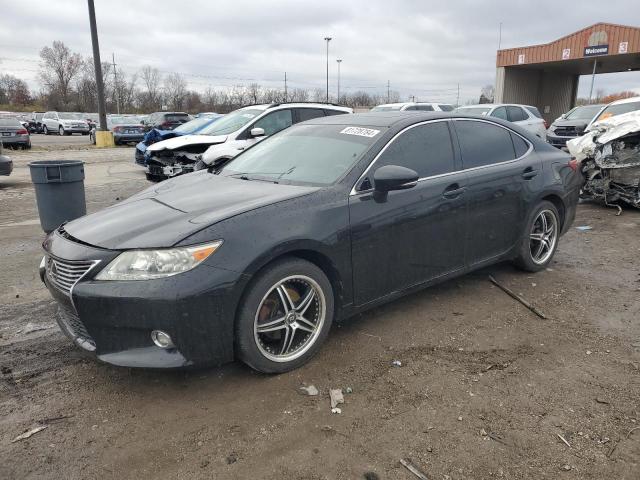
[[486, 389]]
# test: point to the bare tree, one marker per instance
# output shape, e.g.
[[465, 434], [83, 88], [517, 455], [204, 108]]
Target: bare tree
[[175, 90], [14, 91], [58, 68], [150, 95], [487, 94], [254, 93]]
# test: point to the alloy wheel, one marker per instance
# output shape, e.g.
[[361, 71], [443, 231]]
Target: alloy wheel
[[61, 131], [543, 236], [289, 318]]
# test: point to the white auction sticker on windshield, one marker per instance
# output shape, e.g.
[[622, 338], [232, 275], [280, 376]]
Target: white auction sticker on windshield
[[363, 132]]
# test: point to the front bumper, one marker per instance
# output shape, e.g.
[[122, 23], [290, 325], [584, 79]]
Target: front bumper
[[196, 308]]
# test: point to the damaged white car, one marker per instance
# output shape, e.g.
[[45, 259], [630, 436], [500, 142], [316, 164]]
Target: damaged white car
[[225, 138], [609, 155]]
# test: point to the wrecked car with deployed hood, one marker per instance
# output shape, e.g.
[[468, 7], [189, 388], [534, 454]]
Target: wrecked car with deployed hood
[[609, 156], [224, 139]]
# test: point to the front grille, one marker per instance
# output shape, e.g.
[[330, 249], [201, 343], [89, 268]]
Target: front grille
[[63, 274], [566, 131]]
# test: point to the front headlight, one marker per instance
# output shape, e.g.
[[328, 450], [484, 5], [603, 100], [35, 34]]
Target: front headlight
[[150, 264]]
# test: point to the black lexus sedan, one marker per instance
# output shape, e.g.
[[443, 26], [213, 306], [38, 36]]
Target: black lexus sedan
[[256, 259]]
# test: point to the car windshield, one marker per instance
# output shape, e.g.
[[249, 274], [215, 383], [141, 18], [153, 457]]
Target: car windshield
[[193, 125], [306, 154], [386, 108], [613, 110], [583, 113], [69, 116], [232, 122], [473, 110]]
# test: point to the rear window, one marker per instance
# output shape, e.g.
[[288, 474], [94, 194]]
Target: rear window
[[328, 112], [9, 122], [534, 111], [177, 117], [516, 114], [445, 107]]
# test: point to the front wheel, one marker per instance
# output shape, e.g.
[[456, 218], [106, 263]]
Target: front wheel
[[540, 238], [285, 316], [45, 130], [61, 131]]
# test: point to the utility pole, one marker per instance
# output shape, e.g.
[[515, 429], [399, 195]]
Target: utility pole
[[593, 77], [102, 113], [339, 61], [388, 91], [285, 86], [115, 82], [458, 97], [327, 39]]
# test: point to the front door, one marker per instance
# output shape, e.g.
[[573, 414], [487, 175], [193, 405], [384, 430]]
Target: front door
[[413, 235]]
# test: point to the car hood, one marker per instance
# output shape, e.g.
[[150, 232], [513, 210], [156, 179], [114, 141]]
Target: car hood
[[185, 140], [165, 214], [570, 123]]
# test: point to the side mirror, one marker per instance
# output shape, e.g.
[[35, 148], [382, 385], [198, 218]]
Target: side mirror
[[257, 132], [394, 177]]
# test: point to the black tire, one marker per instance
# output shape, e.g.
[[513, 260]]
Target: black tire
[[247, 347], [61, 131], [45, 130], [525, 259]]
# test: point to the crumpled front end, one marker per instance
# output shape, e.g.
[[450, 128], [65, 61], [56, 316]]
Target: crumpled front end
[[610, 160], [165, 164]]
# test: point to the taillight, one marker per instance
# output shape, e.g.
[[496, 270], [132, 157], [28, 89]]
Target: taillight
[[22, 131], [573, 164], [117, 129]]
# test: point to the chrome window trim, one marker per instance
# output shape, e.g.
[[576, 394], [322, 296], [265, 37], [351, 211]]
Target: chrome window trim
[[354, 192]]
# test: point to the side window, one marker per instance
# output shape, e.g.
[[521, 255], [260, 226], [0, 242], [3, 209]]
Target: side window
[[308, 113], [426, 149], [274, 122], [411, 108], [516, 114], [425, 108], [500, 112], [446, 107], [519, 144], [482, 143]]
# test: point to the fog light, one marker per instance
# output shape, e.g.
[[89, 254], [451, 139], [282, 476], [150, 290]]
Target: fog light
[[161, 339]]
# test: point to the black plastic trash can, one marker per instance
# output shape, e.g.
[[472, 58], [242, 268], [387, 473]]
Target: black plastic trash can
[[59, 186]]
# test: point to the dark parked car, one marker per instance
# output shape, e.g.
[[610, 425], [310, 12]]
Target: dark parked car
[[35, 122], [13, 133], [125, 129], [572, 124], [166, 120], [325, 219]]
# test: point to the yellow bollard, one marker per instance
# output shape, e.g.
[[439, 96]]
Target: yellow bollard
[[104, 139]]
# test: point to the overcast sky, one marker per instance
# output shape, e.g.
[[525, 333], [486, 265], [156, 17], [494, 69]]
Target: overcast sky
[[424, 48]]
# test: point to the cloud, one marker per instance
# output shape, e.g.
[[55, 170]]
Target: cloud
[[423, 48]]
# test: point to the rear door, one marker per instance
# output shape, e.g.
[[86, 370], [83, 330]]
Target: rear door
[[503, 172], [413, 235]]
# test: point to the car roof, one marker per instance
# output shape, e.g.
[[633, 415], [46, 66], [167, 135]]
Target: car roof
[[266, 106], [625, 100], [383, 119], [492, 105]]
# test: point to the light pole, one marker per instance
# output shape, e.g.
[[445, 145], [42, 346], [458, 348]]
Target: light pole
[[327, 39], [339, 60]]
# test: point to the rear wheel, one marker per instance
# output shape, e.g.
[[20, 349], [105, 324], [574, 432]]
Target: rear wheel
[[285, 316], [540, 238]]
